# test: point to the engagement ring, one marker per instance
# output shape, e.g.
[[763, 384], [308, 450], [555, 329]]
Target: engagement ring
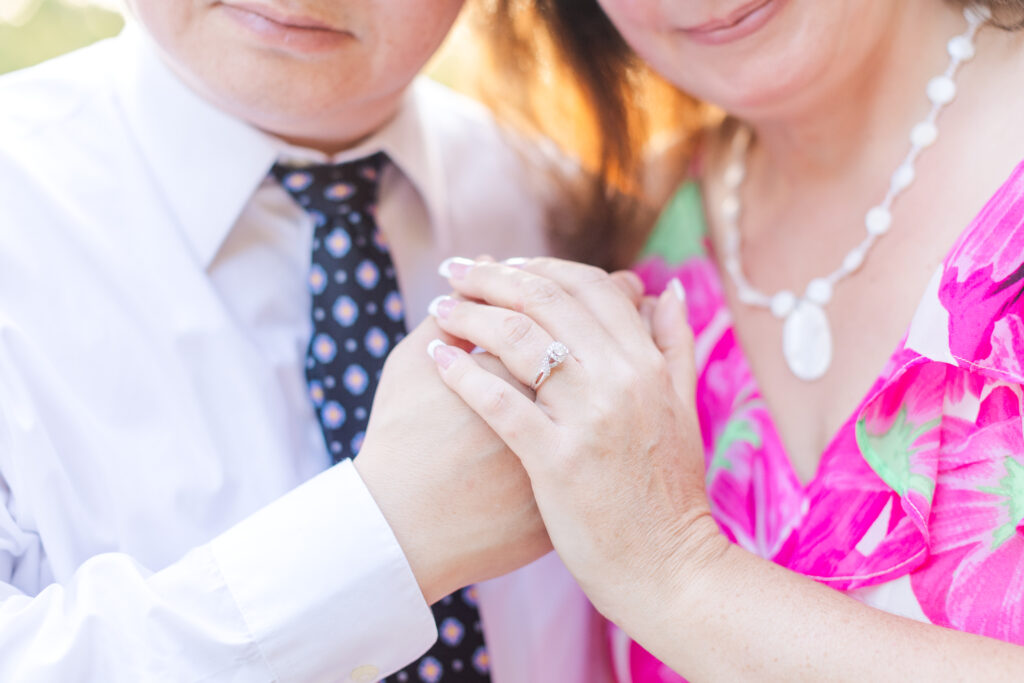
[[553, 357]]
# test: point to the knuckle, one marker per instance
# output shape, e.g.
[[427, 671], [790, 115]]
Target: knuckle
[[591, 275], [543, 262], [630, 389], [603, 403], [656, 364], [516, 328], [619, 373], [457, 374], [511, 430], [540, 292], [605, 413], [573, 272], [495, 398]]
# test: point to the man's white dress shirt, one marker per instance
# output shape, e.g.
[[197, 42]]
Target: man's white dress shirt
[[154, 416]]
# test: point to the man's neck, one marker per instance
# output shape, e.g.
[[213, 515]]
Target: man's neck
[[336, 134], [331, 132]]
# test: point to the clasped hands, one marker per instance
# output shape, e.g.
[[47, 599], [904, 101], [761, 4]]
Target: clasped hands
[[605, 462]]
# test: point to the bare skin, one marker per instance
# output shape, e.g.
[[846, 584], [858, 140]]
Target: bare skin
[[831, 90], [618, 480], [325, 89], [806, 196]]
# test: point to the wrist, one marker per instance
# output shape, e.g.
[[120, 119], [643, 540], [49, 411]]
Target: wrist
[[399, 501], [696, 560], [685, 576]]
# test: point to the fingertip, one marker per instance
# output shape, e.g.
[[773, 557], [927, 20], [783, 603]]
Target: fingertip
[[455, 267], [441, 306], [443, 354], [433, 309], [433, 346], [676, 288], [669, 326]]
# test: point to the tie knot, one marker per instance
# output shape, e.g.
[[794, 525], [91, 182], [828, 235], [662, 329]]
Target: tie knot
[[315, 186]]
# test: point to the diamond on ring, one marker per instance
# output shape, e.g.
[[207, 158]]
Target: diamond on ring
[[554, 356]]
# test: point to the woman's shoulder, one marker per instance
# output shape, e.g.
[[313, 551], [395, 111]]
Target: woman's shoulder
[[676, 176]]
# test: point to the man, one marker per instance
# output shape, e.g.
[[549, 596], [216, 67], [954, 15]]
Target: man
[[203, 228]]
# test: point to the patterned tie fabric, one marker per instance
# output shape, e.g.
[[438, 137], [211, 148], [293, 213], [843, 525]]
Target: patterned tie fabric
[[358, 316]]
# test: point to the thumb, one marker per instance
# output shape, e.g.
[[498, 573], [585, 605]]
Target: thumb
[[674, 338]]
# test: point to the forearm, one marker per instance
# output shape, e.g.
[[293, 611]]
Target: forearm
[[743, 618], [309, 588]]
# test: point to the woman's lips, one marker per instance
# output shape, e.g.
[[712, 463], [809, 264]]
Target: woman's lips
[[286, 31], [738, 24]]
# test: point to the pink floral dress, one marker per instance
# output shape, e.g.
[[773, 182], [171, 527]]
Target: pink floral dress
[[917, 507]]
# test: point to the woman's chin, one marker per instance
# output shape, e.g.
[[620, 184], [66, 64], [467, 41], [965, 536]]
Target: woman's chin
[[777, 99], [791, 58], [755, 94]]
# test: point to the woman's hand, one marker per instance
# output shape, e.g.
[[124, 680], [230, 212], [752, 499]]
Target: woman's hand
[[615, 458], [612, 444]]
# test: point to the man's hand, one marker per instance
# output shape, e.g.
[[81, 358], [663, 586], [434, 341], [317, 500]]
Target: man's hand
[[458, 500]]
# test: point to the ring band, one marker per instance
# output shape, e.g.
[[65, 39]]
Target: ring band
[[555, 355]]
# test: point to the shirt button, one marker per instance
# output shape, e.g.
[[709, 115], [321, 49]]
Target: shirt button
[[365, 674]]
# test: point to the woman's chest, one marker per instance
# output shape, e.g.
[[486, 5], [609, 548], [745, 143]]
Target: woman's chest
[[868, 314], [866, 320], [787, 244]]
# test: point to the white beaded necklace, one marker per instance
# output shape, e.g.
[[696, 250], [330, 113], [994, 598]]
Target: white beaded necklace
[[806, 333]]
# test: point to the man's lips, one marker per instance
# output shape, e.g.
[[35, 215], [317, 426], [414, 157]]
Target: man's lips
[[282, 18], [286, 31], [730, 20]]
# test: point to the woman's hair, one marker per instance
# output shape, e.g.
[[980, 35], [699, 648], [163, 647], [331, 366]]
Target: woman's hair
[[1007, 14], [561, 69]]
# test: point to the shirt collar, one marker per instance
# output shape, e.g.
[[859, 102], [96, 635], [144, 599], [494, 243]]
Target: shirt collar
[[209, 164], [411, 144]]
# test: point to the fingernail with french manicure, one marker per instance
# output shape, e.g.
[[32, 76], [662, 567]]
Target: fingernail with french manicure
[[516, 261], [677, 289], [441, 306], [455, 267], [442, 354]]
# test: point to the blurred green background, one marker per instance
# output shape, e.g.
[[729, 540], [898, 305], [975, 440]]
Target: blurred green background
[[34, 30]]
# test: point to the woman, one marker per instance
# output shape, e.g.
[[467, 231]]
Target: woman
[[790, 513]]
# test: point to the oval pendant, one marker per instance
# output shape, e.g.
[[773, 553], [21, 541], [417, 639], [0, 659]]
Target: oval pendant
[[807, 341]]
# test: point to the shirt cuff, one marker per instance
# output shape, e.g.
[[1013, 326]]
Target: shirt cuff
[[323, 585]]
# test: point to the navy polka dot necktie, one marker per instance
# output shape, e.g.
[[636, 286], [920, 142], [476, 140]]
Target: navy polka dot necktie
[[358, 316]]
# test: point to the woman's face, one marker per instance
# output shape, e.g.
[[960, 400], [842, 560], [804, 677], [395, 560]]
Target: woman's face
[[754, 57]]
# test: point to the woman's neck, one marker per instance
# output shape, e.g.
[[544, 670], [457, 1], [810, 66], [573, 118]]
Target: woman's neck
[[859, 119]]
